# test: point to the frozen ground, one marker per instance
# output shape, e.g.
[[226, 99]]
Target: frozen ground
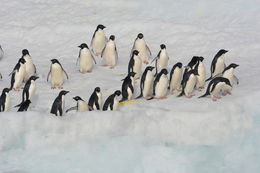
[[173, 135]]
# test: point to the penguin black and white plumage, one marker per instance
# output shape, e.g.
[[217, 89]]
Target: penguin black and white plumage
[[1, 53], [191, 65], [29, 89], [18, 75], [161, 60], [189, 83], [81, 106], [5, 100], [59, 104], [24, 106], [30, 68], [86, 59], [141, 46], [201, 78], [229, 73], [56, 74], [95, 100], [146, 83], [217, 64], [99, 40], [160, 85], [109, 53], [128, 87], [175, 78], [112, 101], [135, 64], [216, 86]]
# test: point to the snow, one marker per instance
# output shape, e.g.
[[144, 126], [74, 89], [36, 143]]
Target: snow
[[171, 135]]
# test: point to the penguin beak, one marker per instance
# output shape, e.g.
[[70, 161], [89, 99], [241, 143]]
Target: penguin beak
[[66, 92], [36, 77], [79, 46]]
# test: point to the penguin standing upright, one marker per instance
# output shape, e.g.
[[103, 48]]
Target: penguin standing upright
[[95, 100], [1, 53], [161, 60], [59, 104], [201, 78], [81, 106], [141, 46], [109, 53], [175, 78], [30, 68], [128, 87], [229, 73], [160, 86], [5, 100], [217, 64], [189, 82], [99, 40], [191, 65], [112, 101], [18, 75], [146, 83], [86, 59], [56, 74], [29, 89], [24, 106], [135, 64]]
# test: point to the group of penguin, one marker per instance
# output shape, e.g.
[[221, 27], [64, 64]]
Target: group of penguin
[[183, 79]]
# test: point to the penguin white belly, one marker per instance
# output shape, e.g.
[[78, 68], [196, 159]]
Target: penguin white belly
[[7, 102], [99, 99], [19, 76], [176, 80], [161, 87], [140, 45], [202, 76], [147, 90], [137, 67], [32, 89], [220, 65], [217, 89], [85, 61], [116, 103], [229, 75], [57, 75], [130, 93], [110, 55], [190, 85], [162, 61], [29, 68], [99, 42], [82, 106]]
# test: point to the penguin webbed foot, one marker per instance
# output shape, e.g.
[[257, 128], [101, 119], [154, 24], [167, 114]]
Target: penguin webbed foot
[[190, 96]]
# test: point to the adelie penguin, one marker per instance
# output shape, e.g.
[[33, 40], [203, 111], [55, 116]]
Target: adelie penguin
[[85, 59], [135, 64], [99, 40], [191, 65], [5, 100], [141, 46], [146, 83], [29, 89], [59, 104], [201, 78], [217, 64], [81, 106], [30, 68], [18, 75], [95, 100], [189, 83], [56, 74], [128, 87], [112, 101], [216, 86], [24, 106], [229, 73], [161, 60], [109, 53], [160, 85], [175, 78]]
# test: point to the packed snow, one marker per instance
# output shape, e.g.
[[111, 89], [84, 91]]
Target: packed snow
[[172, 135]]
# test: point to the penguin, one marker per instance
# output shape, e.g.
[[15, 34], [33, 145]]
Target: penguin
[[161, 60], [217, 64], [141, 46], [1, 53], [191, 65], [99, 40], [160, 85], [146, 83], [81, 106], [5, 100], [56, 74], [29, 89], [229, 73], [109, 53], [18, 75], [112, 101], [30, 68], [201, 78], [86, 59], [24, 106], [215, 86], [135, 64], [189, 83], [59, 103], [95, 100], [128, 87], [175, 78]]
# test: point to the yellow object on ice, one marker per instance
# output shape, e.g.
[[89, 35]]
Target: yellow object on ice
[[127, 102]]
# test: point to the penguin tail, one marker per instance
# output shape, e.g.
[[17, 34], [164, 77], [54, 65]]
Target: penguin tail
[[209, 78]]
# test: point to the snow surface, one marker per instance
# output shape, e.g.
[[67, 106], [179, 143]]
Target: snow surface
[[172, 135]]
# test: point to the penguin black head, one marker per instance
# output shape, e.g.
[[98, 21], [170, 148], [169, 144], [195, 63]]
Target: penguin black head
[[150, 68], [233, 65], [164, 71], [112, 37], [54, 61], [34, 78], [100, 26], [140, 36], [97, 89], [200, 58], [25, 52], [6, 90], [179, 64], [21, 60], [135, 52], [132, 74], [63, 92], [83, 45], [163, 46], [77, 98], [223, 51], [117, 92]]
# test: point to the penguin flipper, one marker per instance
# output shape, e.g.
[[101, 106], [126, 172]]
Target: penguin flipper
[[71, 109], [65, 73], [149, 51], [236, 79], [48, 76], [93, 58], [209, 78], [35, 71], [151, 98]]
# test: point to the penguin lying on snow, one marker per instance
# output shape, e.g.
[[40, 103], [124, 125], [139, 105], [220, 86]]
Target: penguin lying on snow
[[81, 106], [86, 59], [99, 40], [143, 49], [5, 100], [95, 100], [59, 103], [112, 101]]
